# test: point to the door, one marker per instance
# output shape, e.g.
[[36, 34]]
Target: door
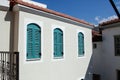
[[118, 74]]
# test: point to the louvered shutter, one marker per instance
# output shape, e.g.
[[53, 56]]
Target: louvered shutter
[[37, 41], [29, 42], [33, 41], [55, 44], [58, 43]]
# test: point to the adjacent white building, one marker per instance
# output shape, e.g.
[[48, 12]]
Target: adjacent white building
[[51, 45], [106, 52]]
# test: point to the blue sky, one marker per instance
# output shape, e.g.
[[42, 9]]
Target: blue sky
[[93, 11]]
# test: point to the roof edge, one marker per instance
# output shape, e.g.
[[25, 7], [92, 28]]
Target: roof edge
[[110, 22], [13, 2]]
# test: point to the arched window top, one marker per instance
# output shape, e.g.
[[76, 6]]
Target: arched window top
[[58, 30], [33, 25], [80, 34]]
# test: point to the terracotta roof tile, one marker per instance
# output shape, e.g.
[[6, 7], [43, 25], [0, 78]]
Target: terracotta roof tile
[[96, 36], [13, 2], [110, 22], [96, 33]]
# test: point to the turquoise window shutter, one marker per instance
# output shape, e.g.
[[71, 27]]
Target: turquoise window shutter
[[58, 43], [37, 41], [33, 41], [55, 44], [29, 43], [80, 44]]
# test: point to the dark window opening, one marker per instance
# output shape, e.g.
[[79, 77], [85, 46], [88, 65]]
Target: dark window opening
[[117, 45], [94, 45]]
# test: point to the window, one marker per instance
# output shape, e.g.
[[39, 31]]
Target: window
[[58, 43], [117, 45], [33, 41], [80, 44], [94, 45]]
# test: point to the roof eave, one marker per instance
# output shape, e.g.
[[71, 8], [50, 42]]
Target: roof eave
[[109, 25], [50, 12]]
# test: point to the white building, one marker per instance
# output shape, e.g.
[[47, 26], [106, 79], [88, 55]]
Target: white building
[[106, 52], [51, 45]]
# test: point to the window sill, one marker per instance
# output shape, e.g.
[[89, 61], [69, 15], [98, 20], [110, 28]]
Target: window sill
[[80, 55], [36, 59], [58, 57]]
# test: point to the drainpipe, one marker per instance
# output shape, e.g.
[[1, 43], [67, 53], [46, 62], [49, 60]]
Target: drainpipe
[[14, 25], [14, 38]]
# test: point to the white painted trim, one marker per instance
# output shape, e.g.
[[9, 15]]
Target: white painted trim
[[84, 56], [52, 33], [40, 24]]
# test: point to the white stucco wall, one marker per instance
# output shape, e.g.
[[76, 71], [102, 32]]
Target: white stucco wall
[[111, 62], [71, 67], [4, 30], [4, 3], [97, 60]]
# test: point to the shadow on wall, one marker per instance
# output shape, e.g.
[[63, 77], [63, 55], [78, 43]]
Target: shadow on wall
[[9, 18], [13, 26], [89, 72], [94, 68]]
